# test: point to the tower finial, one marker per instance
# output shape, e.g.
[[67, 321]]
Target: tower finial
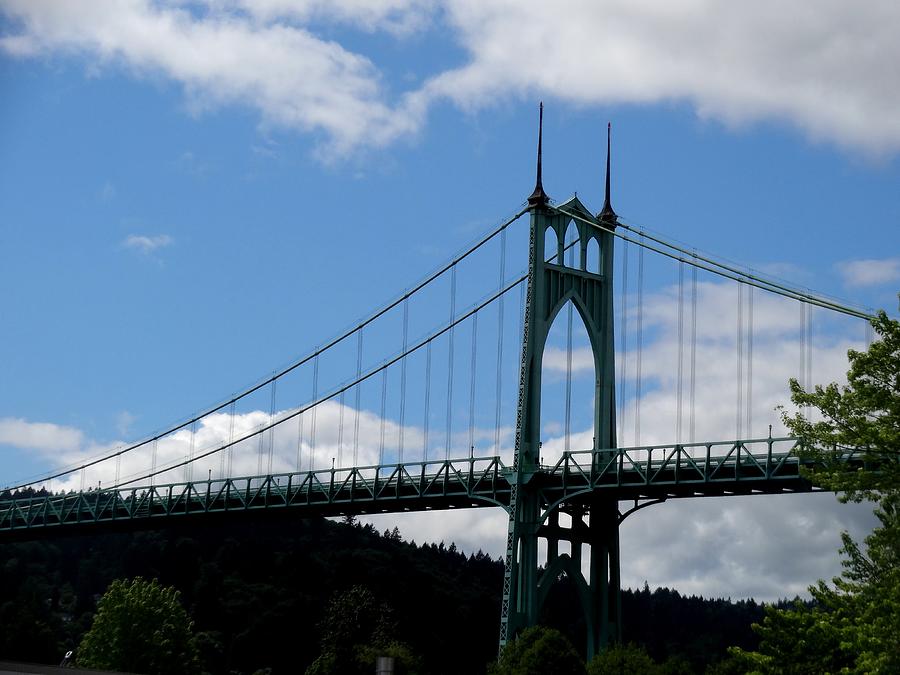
[[539, 197], [607, 215]]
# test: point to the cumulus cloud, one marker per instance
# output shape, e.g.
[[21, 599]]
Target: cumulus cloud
[[42, 436], [223, 57], [738, 63], [825, 68], [145, 243], [399, 17], [872, 272]]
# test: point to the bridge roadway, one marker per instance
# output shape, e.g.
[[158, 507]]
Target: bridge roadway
[[765, 466]]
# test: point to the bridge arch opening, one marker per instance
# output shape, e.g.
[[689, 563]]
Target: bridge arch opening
[[572, 246], [568, 379], [551, 246], [593, 256]]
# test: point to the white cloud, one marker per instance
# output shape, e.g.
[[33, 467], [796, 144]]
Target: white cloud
[[293, 78], [146, 244], [556, 360], [42, 436], [872, 272], [400, 17], [825, 68]]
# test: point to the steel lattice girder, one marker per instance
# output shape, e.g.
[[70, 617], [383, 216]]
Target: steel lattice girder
[[623, 474]]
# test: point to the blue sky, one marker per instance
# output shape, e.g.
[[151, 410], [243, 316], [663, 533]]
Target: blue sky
[[193, 194]]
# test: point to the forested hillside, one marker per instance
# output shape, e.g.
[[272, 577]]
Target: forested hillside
[[257, 592]]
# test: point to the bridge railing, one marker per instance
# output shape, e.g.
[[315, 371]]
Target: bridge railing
[[763, 464], [747, 466], [378, 487]]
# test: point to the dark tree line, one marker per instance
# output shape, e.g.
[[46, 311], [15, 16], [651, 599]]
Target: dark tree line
[[260, 592]]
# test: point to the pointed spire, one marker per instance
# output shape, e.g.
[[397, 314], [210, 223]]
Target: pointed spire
[[607, 215], [539, 197]]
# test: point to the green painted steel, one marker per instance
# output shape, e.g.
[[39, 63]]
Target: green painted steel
[[765, 466], [552, 284]]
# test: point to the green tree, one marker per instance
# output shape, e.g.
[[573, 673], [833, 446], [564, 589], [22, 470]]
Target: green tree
[[852, 625], [140, 627], [356, 629], [863, 415], [539, 651], [623, 660]]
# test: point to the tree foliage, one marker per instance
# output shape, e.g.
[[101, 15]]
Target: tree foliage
[[853, 624], [356, 630], [140, 627], [539, 650], [862, 415], [623, 660]]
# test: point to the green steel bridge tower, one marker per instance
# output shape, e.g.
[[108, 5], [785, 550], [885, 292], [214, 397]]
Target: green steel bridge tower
[[594, 517]]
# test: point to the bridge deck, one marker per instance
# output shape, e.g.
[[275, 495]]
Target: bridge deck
[[709, 469]]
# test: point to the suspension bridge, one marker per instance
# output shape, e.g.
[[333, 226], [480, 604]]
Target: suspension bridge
[[360, 432]]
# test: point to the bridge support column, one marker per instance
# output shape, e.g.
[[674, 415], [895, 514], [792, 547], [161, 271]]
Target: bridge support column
[[605, 624], [551, 284]]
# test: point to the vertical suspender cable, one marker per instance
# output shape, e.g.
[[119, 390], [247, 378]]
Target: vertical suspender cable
[[272, 430], [639, 348], [340, 443], [299, 441], [749, 361], [358, 393], [118, 468], [802, 375], [189, 467], [680, 377], [870, 331], [223, 457], [312, 431], [472, 383], [623, 342], [383, 405], [740, 362], [499, 394], [152, 463], [427, 401], [230, 442], [693, 351], [450, 362], [403, 375], [809, 353], [259, 451]]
